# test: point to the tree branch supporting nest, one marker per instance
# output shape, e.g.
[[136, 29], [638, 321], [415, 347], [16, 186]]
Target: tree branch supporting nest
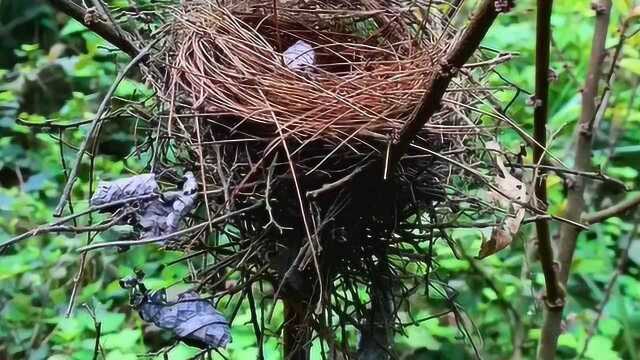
[[439, 82], [336, 137], [105, 30]]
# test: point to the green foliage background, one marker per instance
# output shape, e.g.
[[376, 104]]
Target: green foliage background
[[52, 69]]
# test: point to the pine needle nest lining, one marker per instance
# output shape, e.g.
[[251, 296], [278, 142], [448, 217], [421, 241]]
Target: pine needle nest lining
[[366, 80]]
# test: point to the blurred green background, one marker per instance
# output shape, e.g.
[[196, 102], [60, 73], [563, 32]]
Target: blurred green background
[[53, 69]]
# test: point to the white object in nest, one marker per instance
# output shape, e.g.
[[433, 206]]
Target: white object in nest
[[299, 56]]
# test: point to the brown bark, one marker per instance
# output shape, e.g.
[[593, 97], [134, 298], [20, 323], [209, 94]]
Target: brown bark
[[575, 193], [554, 295]]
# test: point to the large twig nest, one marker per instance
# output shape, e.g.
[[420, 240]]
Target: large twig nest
[[300, 141]]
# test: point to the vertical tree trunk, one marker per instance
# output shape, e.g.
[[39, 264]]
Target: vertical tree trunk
[[376, 336], [543, 40], [296, 334], [575, 195]]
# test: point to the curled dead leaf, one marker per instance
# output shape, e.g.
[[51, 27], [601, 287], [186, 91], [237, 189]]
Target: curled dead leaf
[[510, 194]]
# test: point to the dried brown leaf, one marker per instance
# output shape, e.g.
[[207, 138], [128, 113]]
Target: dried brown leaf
[[510, 195], [499, 240]]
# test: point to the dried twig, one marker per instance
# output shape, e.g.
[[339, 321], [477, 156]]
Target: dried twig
[[73, 174]]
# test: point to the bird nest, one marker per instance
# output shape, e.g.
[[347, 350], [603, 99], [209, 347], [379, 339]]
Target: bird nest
[[357, 82], [286, 115]]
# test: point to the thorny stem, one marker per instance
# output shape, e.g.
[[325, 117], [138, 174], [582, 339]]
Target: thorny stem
[[575, 191]]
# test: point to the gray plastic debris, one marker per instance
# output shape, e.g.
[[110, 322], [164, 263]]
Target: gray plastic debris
[[194, 320], [131, 187], [300, 56], [155, 217]]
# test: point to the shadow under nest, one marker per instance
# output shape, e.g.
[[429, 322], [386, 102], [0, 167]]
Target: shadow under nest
[[293, 161]]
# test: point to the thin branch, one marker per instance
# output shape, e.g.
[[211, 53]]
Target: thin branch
[[51, 124], [171, 235], [439, 81], [615, 210], [554, 295], [575, 193], [561, 172], [73, 174], [104, 10], [499, 59], [105, 30], [312, 194], [83, 229], [454, 7], [51, 227]]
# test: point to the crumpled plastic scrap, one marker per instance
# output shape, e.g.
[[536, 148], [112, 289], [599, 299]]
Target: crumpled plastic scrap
[[193, 319], [156, 217], [126, 188]]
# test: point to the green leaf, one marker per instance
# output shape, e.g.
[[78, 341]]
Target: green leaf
[[111, 322], [69, 328], [183, 352], [600, 348], [489, 294], [630, 64], [119, 355], [568, 340], [131, 89], [71, 27], [624, 172], [634, 252], [609, 327], [125, 339], [418, 335]]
